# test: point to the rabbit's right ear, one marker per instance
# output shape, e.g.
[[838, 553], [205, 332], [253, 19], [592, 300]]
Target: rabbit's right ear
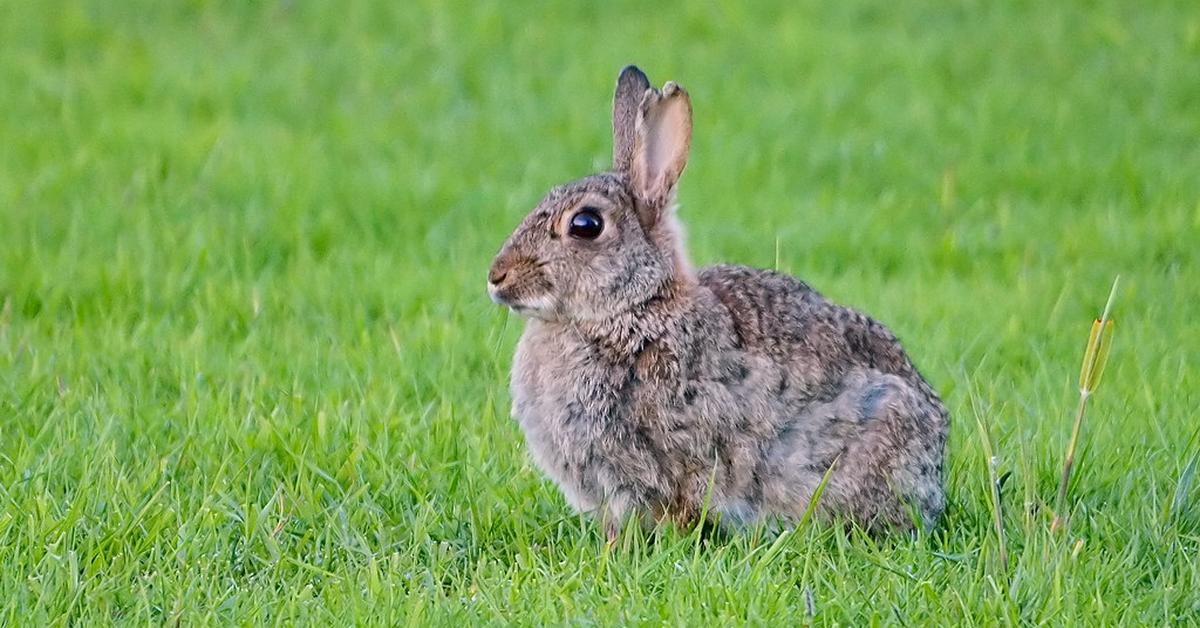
[[631, 88], [661, 142]]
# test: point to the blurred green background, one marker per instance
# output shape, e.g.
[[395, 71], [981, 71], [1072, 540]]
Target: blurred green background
[[249, 372]]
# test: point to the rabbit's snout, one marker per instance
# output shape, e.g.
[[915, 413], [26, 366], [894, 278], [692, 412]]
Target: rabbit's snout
[[501, 275], [513, 280]]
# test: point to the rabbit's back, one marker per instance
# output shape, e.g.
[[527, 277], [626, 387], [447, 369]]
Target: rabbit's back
[[787, 320], [849, 392]]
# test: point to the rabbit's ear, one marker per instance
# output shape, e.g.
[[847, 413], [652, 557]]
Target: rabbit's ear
[[662, 138], [631, 87]]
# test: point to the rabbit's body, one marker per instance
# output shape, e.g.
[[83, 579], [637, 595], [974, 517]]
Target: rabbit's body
[[748, 378], [645, 388]]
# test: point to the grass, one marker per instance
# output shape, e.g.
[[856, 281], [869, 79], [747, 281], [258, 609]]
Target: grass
[[249, 374]]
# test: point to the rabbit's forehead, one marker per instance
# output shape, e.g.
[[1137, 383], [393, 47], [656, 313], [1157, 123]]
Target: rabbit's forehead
[[602, 188]]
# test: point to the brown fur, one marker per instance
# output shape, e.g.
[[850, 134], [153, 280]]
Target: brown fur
[[643, 387]]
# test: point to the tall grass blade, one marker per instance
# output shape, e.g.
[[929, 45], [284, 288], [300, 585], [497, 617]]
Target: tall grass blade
[[1182, 488], [811, 509], [1095, 356], [994, 482]]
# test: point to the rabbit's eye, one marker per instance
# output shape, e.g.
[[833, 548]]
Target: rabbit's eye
[[586, 224]]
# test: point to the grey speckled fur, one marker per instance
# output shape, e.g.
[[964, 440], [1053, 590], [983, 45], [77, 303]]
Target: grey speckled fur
[[639, 381]]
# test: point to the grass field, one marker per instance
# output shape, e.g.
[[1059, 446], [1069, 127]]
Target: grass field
[[249, 372]]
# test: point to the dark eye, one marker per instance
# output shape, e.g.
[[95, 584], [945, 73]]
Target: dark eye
[[586, 224]]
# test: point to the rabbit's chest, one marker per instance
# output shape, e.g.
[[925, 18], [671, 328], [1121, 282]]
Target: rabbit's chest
[[582, 418]]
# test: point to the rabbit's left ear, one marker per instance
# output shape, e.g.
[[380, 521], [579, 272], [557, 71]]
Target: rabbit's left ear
[[631, 88], [661, 141]]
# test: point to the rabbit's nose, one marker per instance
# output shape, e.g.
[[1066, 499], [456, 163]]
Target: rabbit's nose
[[496, 276]]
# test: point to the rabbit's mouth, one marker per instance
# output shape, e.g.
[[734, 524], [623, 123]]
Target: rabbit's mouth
[[541, 306]]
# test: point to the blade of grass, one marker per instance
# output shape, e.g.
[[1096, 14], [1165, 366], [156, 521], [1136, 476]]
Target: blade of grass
[[993, 465], [1182, 488], [1095, 356]]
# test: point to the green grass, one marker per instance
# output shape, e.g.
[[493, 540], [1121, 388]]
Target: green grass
[[249, 373]]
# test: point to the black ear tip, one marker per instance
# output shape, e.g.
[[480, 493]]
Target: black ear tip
[[632, 72]]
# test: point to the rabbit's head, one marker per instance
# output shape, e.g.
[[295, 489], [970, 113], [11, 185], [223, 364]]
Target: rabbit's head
[[609, 242]]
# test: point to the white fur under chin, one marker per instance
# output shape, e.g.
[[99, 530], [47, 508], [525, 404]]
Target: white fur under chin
[[541, 308]]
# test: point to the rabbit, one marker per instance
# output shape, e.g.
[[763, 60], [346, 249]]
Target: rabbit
[[651, 392]]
